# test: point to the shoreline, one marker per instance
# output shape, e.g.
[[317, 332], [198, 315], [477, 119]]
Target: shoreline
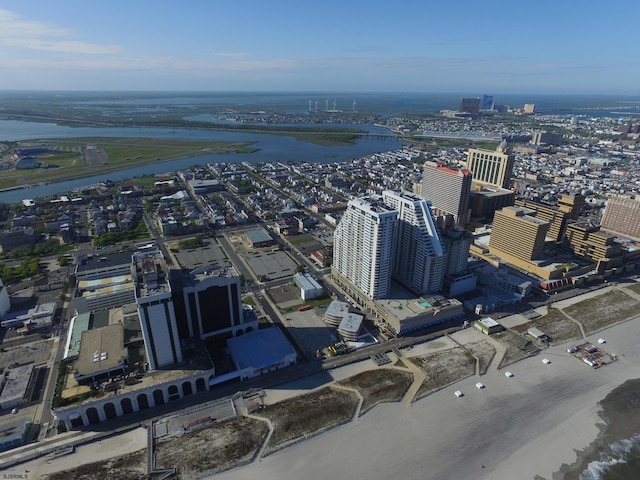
[[620, 412]]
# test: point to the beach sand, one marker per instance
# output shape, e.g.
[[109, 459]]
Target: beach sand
[[620, 411], [544, 423], [515, 428]]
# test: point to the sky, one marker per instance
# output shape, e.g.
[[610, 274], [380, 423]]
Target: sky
[[501, 46]]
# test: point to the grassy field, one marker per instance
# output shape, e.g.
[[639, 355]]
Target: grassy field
[[212, 450], [555, 325], [634, 288], [377, 386], [308, 414], [120, 152], [443, 368], [484, 352], [604, 310], [517, 347], [301, 239]]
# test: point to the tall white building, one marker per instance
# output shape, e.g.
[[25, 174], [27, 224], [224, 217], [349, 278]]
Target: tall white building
[[155, 308], [363, 245], [418, 254]]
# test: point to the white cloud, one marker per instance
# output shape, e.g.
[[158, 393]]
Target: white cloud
[[18, 33], [229, 54]]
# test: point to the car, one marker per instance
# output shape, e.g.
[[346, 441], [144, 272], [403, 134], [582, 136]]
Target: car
[[14, 410], [572, 349], [546, 361], [601, 341], [458, 393], [508, 374], [480, 385]]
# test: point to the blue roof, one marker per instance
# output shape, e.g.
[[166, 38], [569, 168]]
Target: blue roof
[[259, 348]]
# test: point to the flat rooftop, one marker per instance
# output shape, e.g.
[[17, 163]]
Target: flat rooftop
[[101, 350], [351, 323], [337, 309], [98, 261], [258, 236], [259, 348], [98, 283], [209, 254], [404, 305], [16, 385]]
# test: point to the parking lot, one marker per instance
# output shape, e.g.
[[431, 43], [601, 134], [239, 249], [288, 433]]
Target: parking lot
[[309, 330]]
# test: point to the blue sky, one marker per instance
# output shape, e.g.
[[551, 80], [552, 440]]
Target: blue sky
[[506, 46]]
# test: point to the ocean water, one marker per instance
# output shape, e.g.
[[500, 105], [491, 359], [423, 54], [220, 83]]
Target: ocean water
[[622, 463], [382, 103]]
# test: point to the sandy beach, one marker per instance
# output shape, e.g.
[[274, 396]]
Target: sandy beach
[[526, 427], [516, 428]]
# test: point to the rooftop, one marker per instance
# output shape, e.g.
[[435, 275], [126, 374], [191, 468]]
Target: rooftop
[[259, 348], [351, 323]]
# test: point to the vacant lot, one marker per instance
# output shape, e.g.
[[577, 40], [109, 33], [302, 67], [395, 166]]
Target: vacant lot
[[299, 417], [377, 386], [604, 310], [555, 325], [212, 450], [127, 467], [443, 368], [305, 244], [484, 352], [517, 347]]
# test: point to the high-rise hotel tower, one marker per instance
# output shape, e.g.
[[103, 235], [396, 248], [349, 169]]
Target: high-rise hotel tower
[[491, 167], [418, 261], [448, 189], [390, 236], [363, 245]]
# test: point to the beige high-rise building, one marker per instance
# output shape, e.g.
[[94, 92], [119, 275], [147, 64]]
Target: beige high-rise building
[[448, 190], [568, 208], [517, 236], [586, 240], [622, 217], [491, 167]]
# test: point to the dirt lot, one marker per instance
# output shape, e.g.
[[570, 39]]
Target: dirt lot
[[555, 325], [377, 386], [308, 414], [443, 367], [213, 450], [597, 313]]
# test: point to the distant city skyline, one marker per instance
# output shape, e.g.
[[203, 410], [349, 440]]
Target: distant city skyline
[[496, 47]]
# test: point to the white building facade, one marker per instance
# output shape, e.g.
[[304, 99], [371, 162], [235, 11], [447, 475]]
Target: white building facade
[[155, 308], [363, 245], [418, 260]]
